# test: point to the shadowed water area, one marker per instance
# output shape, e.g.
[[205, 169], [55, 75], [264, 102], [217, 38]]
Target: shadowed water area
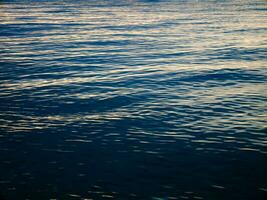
[[142, 100]]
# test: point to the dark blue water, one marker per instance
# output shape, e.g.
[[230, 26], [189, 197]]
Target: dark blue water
[[133, 100]]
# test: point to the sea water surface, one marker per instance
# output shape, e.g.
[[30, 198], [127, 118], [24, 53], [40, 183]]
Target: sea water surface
[[133, 99]]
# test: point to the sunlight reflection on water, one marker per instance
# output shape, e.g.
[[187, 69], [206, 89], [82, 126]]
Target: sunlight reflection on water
[[133, 99]]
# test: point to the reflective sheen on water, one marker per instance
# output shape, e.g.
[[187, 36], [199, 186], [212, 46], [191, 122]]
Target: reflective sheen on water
[[133, 100]]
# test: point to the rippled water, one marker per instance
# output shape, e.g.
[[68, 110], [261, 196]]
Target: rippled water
[[133, 99]]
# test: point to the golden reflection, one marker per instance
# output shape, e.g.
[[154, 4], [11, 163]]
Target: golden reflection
[[157, 56]]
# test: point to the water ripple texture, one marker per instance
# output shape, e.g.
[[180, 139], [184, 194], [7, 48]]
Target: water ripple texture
[[133, 99]]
